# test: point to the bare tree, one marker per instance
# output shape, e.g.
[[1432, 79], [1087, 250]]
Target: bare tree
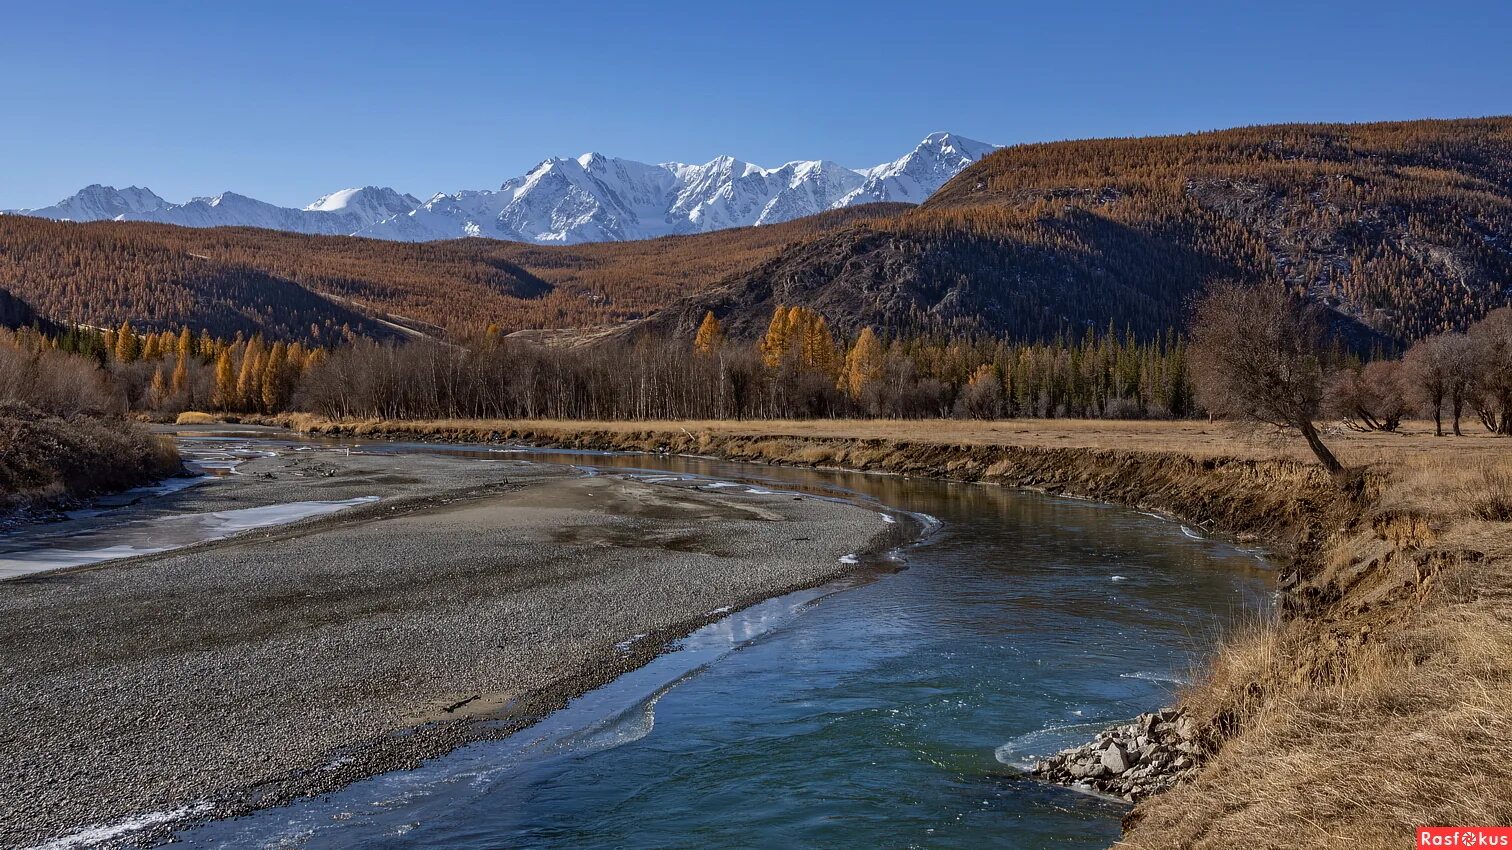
[[1368, 399], [1255, 356], [1437, 371], [1491, 349]]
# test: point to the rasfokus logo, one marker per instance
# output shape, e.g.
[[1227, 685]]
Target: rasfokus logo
[[1464, 836]]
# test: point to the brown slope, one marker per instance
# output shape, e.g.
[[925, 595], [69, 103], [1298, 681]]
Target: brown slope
[[230, 279], [1403, 227], [102, 275]]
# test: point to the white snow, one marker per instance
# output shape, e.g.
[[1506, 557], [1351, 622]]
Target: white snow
[[589, 198]]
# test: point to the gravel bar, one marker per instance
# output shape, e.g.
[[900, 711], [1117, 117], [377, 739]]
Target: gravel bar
[[292, 660]]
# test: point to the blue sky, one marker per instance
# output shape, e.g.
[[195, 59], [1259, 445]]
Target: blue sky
[[286, 101]]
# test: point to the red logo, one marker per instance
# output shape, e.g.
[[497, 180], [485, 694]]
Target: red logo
[[1464, 836]]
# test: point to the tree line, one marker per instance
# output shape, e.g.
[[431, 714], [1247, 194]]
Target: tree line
[[800, 368]]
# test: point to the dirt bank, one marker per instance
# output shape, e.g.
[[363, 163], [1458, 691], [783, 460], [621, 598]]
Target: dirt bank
[[47, 462], [1381, 696]]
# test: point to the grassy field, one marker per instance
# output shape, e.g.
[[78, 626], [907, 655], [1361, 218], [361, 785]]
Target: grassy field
[[1194, 438]]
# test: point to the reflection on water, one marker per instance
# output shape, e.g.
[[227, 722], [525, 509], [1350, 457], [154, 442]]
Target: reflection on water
[[887, 715]]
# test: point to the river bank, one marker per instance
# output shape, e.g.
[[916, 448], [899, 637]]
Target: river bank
[[49, 463], [1379, 700], [471, 597]]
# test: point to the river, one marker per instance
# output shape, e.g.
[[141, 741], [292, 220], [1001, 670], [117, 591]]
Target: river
[[890, 710]]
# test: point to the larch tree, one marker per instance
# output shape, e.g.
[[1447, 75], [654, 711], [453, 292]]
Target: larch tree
[[126, 346], [225, 381], [272, 384], [774, 346], [710, 336], [863, 365]]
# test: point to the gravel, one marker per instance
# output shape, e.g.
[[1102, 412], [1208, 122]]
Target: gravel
[[293, 660]]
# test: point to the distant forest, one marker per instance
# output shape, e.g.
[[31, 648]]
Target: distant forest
[[798, 368], [1401, 228]]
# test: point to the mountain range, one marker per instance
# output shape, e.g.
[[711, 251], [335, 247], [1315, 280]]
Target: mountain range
[[590, 198], [1401, 229]]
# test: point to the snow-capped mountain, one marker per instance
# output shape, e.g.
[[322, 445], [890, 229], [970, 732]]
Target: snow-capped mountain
[[96, 202], [591, 198], [917, 174], [337, 214]]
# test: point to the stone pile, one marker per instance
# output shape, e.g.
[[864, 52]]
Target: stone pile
[[1156, 752]]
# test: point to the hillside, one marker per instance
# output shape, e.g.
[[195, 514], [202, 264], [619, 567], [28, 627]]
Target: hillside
[[1403, 228], [241, 279]]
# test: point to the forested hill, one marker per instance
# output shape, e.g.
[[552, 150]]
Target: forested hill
[[1405, 228], [292, 286]]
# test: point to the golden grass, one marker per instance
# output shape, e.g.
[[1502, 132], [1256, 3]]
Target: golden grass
[[195, 417], [1194, 438], [1386, 709]]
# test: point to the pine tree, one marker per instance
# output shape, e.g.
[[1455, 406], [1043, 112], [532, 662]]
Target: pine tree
[[181, 379], [249, 379], [817, 348]]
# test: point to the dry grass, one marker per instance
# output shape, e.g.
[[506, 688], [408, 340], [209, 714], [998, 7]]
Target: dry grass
[[44, 458], [1386, 708], [1192, 438], [195, 417]]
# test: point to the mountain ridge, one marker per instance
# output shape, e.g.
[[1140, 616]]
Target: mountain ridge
[[563, 200], [1403, 229]]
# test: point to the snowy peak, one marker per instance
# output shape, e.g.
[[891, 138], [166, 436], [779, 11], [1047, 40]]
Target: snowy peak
[[562, 200], [917, 174], [365, 198], [96, 202]]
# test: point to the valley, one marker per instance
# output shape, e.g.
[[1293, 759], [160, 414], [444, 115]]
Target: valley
[[1398, 228]]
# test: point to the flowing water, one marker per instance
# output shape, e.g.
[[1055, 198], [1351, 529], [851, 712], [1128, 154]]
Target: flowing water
[[890, 712]]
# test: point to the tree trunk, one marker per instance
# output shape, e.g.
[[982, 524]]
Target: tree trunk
[[1315, 442]]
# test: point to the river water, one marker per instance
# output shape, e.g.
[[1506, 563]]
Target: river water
[[890, 711]]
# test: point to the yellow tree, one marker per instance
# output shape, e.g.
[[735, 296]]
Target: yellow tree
[[273, 377], [185, 347], [181, 378], [710, 335], [126, 347], [774, 346], [249, 379], [225, 381], [816, 346], [159, 392], [863, 366]]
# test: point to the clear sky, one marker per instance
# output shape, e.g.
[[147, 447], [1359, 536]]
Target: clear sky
[[286, 101]]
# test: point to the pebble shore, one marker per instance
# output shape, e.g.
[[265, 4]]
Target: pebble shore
[[287, 661]]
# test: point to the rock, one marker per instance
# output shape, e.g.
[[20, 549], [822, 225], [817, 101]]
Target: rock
[[1116, 759], [1186, 728]]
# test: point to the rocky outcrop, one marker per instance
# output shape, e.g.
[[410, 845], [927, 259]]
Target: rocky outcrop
[[1153, 754]]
